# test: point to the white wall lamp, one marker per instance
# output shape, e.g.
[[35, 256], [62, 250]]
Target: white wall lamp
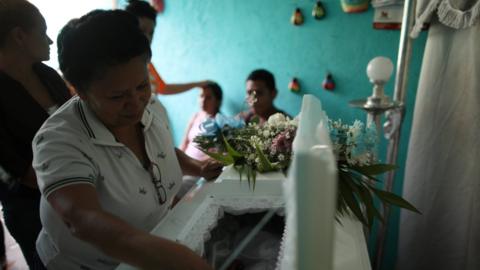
[[379, 70]]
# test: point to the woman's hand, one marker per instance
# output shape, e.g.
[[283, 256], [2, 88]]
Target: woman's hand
[[210, 169]]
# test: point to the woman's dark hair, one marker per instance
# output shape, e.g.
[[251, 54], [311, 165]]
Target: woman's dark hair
[[216, 90], [16, 13], [141, 9], [100, 39], [265, 76]]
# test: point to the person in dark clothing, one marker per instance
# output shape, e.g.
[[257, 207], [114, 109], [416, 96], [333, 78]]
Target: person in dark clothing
[[3, 253], [29, 92]]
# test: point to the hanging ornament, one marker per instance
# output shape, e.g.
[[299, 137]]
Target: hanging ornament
[[328, 83], [297, 17], [354, 6], [159, 5], [294, 85], [318, 11]]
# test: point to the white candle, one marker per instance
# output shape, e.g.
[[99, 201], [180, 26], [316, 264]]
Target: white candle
[[310, 193]]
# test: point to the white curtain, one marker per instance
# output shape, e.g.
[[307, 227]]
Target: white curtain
[[442, 176]]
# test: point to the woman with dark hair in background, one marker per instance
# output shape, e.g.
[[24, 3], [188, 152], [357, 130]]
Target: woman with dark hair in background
[[210, 101], [30, 92], [147, 17], [105, 161]]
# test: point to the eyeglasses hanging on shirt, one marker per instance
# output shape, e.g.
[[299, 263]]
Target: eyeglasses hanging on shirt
[[157, 183]]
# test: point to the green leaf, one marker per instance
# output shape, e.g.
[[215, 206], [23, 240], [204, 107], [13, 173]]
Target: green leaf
[[255, 120], [225, 159], [391, 198], [363, 198], [239, 169], [352, 203], [231, 151], [249, 174], [372, 212], [374, 169], [265, 165], [362, 178], [254, 178]]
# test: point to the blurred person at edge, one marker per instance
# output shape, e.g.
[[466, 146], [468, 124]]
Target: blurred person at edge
[[30, 91]]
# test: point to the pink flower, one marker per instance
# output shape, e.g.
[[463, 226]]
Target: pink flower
[[282, 143]]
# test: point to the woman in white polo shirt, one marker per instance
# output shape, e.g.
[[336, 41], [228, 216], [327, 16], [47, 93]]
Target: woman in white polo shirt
[[105, 162]]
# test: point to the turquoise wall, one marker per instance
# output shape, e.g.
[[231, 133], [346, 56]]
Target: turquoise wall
[[225, 40]]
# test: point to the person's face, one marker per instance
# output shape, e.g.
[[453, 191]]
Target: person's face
[[119, 98], [147, 26], [36, 42], [259, 97], [208, 102]]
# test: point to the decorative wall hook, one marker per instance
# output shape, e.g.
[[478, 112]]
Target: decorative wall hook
[[318, 11], [328, 82], [297, 17], [294, 85]]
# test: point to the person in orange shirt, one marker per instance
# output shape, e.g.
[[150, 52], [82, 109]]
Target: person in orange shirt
[[147, 16]]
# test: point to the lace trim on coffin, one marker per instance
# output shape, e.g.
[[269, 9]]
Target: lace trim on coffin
[[197, 232]]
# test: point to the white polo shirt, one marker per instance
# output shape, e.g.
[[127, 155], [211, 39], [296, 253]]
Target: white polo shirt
[[74, 147]]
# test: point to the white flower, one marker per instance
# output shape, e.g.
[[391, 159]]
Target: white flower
[[281, 157], [266, 133], [294, 121], [356, 128], [261, 145], [252, 98], [361, 160], [276, 119]]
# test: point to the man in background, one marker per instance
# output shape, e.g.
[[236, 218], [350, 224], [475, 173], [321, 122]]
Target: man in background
[[261, 92]]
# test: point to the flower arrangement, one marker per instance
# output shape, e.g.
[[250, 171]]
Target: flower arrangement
[[354, 147], [256, 148], [250, 148]]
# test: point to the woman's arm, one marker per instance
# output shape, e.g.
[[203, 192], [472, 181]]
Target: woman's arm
[[177, 88], [79, 208], [208, 169]]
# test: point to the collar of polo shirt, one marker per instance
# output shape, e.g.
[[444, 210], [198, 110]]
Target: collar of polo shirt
[[97, 131]]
